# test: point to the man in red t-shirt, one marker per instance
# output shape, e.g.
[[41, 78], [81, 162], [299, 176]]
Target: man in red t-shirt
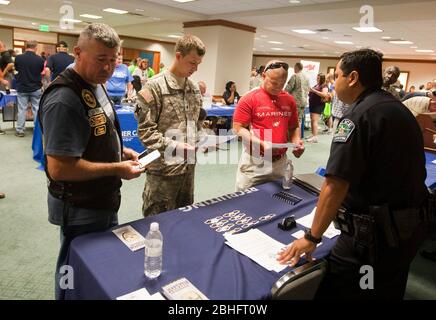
[[265, 118]]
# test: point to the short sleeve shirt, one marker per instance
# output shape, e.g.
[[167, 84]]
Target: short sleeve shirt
[[378, 149], [116, 86], [263, 111]]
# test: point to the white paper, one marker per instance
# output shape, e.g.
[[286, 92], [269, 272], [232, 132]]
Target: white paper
[[148, 158], [284, 145], [257, 246], [130, 237], [434, 161], [307, 220], [213, 140], [297, 235]]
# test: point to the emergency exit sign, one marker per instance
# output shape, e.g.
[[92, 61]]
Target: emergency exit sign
[[44, 28]]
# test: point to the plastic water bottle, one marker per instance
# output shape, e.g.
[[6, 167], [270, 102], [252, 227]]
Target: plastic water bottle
[[235, 101], [153, 252], [287, 177]]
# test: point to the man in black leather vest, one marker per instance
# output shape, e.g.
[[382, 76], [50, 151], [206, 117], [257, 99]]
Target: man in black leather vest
[[369, 172], [85, 159]]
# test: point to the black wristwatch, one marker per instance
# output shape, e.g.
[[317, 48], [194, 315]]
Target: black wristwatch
[[311, 238]]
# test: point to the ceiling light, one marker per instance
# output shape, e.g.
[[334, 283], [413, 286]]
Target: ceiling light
[[325, 38], [277, 49], [294, 1], [183, 1], [367, 29], [156, 18], [90, 16], [344, 42], [4, 2], [413, 47], [400, 42], [386, 38], [304, 31], [140, 10], [116, 11], [424, 50], [263, 36], [34, 23], [275, 42], [71, 20], [174, 36]]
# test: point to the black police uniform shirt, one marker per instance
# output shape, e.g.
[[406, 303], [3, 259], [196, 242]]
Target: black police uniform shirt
[[378, 149], [67, 133]]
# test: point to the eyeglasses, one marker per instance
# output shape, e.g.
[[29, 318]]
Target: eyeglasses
[[277, 65]]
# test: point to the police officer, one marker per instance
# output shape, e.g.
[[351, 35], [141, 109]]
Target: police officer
[[168, 113], [376, 170], [85, 161]]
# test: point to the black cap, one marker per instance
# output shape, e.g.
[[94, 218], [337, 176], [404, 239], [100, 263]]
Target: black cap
[[62, 44]]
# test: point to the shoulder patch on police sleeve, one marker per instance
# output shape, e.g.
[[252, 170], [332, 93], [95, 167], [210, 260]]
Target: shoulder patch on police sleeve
[[146, 94], [344, 130]]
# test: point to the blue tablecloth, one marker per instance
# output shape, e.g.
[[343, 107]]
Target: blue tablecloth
[[104, 268], [221, 111], [129, 127], [128, 130], [431, 170]]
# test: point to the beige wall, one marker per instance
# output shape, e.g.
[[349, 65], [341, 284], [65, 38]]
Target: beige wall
[[166, 50], [228, 57], [6, 36], [324, 63], [419, 72]]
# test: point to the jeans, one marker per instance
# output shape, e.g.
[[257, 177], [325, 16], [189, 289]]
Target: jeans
[[23, 99], [67, 235]]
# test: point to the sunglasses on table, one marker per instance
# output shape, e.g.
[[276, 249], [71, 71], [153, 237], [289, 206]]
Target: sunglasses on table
[[277, 65]]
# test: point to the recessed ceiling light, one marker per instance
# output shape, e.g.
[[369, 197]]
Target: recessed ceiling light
[[173, 36], [294, 1], [304, 31], [413, 47], [401, 42], [344, 42], [263, 36], [325, 38], [275, 42], [424, 50], [156, 18], [367, 29], [182, 1], [386, 38], [4, 2], [277, 49], [34, 23], [140, 10], [116, 11], [90, 16], [71, 20]]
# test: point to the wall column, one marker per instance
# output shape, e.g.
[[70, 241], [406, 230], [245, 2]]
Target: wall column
[[229, 53]]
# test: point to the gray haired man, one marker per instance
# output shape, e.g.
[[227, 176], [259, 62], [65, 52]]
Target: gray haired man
[[85, 160]]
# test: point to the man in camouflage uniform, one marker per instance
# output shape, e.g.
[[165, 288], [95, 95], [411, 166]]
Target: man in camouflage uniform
[[390, 77], [168, 113], [298, 86]]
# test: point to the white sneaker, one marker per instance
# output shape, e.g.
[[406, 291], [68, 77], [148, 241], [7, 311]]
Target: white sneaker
[[312, 139]]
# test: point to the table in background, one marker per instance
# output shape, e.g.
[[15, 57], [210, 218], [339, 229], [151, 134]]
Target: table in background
[[128, 126], [104, 268], [220, 111], [431, 170]]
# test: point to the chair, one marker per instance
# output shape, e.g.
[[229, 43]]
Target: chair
[[300, 283]]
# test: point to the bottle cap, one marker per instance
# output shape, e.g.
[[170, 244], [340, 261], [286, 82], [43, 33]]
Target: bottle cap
[[154, 226]]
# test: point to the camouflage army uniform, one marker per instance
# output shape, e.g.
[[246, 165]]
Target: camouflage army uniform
[[168, 113], [298, 86]]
